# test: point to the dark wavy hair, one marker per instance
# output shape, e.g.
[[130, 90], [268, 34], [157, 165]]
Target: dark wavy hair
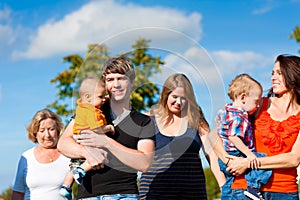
[[290, 68]]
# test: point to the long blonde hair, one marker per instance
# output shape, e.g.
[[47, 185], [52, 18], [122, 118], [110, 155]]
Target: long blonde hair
[[194, 112]]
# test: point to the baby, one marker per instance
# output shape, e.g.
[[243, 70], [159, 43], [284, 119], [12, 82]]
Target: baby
[[88, 116]]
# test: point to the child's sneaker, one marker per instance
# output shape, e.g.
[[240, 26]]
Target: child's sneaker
[[78, 174], [66, 191], [253, 193]]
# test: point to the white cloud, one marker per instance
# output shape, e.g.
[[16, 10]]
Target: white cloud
[[211, 72], [7, 36], [216, 67], [213, 69], [267, 7], [100, 21], [262, 10], [256, 65], [5, 14], [239, 62]]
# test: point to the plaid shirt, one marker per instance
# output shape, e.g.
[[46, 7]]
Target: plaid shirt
[[234, 121]]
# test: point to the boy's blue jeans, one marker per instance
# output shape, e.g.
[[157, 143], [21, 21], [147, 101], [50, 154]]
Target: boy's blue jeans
[[254, 177], [114, 197], [239, 195]]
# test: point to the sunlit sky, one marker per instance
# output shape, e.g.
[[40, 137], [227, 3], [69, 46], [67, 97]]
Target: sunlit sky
[[210, 41]]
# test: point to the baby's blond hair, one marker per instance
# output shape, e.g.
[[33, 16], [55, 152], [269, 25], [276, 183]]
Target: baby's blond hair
[[242, 83], [89, 84]]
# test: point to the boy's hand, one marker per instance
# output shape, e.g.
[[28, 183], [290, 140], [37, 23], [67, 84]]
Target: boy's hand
[[109, 129], [105, 129]]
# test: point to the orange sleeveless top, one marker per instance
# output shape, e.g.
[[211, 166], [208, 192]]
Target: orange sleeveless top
[[87, 117], [274, 137]]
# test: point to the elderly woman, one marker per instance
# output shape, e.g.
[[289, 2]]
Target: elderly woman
[[41, 169]]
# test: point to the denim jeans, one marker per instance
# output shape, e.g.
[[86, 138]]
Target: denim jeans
[[254, 177], [114, 197], [239, 195]]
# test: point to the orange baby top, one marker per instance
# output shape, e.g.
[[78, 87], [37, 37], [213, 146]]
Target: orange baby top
[[275, 137], [87, 117]]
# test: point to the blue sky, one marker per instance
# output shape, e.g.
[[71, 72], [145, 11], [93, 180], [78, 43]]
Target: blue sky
[[209, 40]]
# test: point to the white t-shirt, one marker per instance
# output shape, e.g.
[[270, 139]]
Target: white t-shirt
[[40, 181]]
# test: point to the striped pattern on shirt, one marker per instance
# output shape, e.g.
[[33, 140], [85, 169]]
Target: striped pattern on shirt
[[176, 171]]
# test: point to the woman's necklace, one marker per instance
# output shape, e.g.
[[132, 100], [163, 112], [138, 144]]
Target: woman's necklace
[[44, 155], [51, 157]]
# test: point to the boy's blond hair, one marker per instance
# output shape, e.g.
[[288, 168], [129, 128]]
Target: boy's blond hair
[[242, 83]]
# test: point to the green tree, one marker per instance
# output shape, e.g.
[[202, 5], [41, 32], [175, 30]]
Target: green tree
[[296, 35], [67, 82], [212, 187], [6, 195], [143, 97]]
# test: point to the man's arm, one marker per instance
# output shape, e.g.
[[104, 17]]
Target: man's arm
[[67, 145], [70, 148], [139, 159]]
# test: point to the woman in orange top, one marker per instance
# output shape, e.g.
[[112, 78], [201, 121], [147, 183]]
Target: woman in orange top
[[276, 131]]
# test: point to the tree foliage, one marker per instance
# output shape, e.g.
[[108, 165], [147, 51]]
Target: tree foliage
[[212, 186], [68, 81], [6, 195], [296, 35], [143, 96]]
